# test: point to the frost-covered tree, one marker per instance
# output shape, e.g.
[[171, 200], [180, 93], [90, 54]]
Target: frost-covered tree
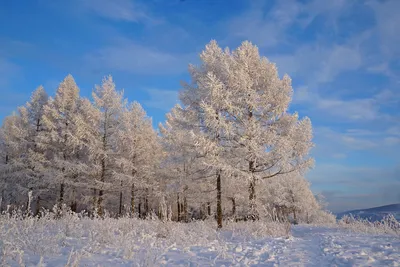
[[268, 140], [35, 108], [12, 173], [31, 115], [239, 106], [185, 176], [59, 139], [111, 105], [88, 123], [217, 152], [140, 152], [206, 108], [290, 195]]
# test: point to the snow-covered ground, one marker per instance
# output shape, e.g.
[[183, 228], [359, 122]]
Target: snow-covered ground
[[148, 243]]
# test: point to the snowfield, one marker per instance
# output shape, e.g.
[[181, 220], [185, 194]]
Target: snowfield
[[131, 242]]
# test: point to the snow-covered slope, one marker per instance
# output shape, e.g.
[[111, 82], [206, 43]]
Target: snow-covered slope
[[374, 214]]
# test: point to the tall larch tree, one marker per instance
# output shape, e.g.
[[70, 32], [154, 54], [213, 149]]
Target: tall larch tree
[[59, 139], [270, 140], [12, 168], [88, 122], [111, 104], [178, 165], [206, 102], [141, 151], [31, 115]]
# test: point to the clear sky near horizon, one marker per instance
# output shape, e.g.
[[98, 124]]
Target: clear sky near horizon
[[343, 57]]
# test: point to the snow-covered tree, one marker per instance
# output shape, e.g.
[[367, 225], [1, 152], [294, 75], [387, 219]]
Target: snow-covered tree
[[12, 174], [217, 151], [59, 139], [182, 170], [268, 140], [111, 105], [290, 195], [88, 123], [140, 152], [31, 115], [35, 108], [207, 105]]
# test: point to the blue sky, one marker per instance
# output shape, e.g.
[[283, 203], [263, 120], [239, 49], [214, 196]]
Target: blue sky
[[343, 57]]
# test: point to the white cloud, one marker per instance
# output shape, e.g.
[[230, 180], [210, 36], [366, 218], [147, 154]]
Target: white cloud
[[319, 64], [348, 187], [131, 57], [394, 130], [8, 71], [265, 31], [357, 143], [361, 132], [269, 29], [339, 156], [391, 141], [124, 10], [161, 99], [332, 144], [366, 109], [387, 21]]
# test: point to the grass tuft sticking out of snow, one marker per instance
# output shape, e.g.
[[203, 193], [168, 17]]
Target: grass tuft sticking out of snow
[[77, 238], [388, 225]]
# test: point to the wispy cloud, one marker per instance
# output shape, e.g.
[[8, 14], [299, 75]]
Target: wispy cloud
[[130, 57], [335, 142], [161, 99], [394, 130], [347, 187], [8, 71], [316, 63], [362, 109], [118, 10], [268, 29], [387, 19]]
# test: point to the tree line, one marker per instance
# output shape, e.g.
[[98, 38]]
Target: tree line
[[230, 149]]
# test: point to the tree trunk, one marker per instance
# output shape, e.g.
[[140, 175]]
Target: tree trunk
[[179, 207], [120, 201], [185, 209], [74, 204], [208, 208], [201, 211], [233, 207], [62, 190], [182, 212], [140, 208], [133, 200], [103, 169], [219, 200], [146, 204], [252, 187], [1, 201], [94, 201], [252, 193], [169, 213], [100, 210]]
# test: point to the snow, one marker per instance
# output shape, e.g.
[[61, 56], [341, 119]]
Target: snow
[[308, 246]]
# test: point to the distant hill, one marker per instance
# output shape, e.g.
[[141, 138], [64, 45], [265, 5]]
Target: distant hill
[[374, 214]]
